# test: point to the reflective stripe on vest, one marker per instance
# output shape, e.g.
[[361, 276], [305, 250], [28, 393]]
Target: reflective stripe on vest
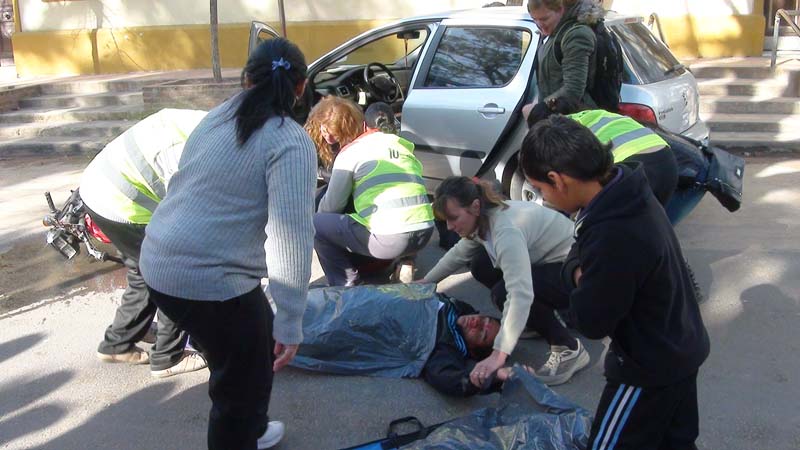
[[126, 181], [391, 197], [126, 186], [627, 136]]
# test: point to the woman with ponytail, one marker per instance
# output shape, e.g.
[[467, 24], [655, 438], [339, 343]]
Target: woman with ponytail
[[516, 250], [241, 201]]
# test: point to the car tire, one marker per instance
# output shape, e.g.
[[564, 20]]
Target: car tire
[[520, 189]]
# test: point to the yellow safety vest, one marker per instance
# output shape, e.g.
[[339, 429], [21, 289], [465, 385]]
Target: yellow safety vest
[[391, 196], [627, 136], [128, 178]]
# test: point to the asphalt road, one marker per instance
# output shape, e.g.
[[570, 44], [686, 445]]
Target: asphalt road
[[54, 394]]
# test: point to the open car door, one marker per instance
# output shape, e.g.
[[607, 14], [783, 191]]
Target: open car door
[[467, 93], [259, 32]]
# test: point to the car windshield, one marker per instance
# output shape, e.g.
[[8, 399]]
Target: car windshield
[[389, 50], [648, 59]]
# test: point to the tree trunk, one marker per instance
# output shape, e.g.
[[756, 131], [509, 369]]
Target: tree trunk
[[215, 67]]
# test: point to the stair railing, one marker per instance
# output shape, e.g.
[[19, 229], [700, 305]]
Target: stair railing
[[653, 19], [787, 16]]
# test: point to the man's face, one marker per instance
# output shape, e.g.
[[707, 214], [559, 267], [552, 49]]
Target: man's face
[[462, 220], [478, 331], [556, 194], [546, 19]]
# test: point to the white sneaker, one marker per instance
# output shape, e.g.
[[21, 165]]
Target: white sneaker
[[190, 362], [272, 436], [562, 364]]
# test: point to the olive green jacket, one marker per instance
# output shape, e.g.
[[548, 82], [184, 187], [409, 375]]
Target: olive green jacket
[[572, 76]]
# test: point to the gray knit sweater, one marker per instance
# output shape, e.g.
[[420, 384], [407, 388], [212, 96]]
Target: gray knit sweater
[[206, 240]]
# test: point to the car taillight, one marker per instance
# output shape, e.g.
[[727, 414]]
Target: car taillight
[[639, 112], [94, 231]]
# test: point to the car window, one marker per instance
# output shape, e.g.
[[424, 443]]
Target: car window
[[470, 57], [388, 50], [649, 60]]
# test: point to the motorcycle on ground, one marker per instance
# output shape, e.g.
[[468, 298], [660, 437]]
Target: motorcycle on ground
[[71, 226]]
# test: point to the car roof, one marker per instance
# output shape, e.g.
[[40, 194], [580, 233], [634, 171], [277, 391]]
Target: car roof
[[506, 12]]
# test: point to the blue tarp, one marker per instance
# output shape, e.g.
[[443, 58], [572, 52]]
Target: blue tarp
[[386, 331], [532, 417]]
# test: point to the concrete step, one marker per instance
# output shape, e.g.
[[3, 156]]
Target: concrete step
[[773, 142], [96, 86], [749, 105], [101, 128], [771, 123], [769, 87], [83, 100], [124, 112], [744, 71], [42, 146]]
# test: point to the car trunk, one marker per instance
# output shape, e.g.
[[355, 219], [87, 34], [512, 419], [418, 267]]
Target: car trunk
[[654, 77]]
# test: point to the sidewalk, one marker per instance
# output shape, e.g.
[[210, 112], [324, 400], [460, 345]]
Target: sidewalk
[[9, 79]]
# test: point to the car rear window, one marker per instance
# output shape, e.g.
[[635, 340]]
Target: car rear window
[[470, 57], [648, 59]]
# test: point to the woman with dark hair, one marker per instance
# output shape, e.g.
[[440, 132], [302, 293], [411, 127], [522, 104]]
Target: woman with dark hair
[[630, 141], [241, 202], [516, 250]]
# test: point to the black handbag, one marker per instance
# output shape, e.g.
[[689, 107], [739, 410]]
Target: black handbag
[[715, 170], [725, 178]]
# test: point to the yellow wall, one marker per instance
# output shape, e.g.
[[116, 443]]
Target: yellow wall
[[708, 28], [170, 47], [713, 37], [161, 48]]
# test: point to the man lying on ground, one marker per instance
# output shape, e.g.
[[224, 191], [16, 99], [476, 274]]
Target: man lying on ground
[[397, 331]]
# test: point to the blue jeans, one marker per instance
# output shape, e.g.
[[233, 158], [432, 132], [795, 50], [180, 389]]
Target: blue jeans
[[339, 238]]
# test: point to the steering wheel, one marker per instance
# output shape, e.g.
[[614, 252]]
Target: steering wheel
[[381, 88]]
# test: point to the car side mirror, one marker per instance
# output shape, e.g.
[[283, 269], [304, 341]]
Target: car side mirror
[[408, 35]]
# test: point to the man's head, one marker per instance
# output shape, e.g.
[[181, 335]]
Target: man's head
[[562, 158], [479, 332], [380, 116]]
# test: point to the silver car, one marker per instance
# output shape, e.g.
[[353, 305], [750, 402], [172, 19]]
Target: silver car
[[460, 79]]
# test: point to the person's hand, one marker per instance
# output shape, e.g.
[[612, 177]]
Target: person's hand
[[526, 110], [486, 368], [284, 354], [576, 276], [503, 373]]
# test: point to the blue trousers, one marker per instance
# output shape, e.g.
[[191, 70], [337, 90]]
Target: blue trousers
[[339, 239]]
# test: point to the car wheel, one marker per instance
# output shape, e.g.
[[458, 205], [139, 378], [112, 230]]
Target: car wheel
[[520, 189]]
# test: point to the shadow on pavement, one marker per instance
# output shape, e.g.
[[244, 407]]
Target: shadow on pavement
[[149, 418], [17, 394], [14, 347]]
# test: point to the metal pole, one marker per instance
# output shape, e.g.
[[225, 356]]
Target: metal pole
[[775, 39], [282, 14]]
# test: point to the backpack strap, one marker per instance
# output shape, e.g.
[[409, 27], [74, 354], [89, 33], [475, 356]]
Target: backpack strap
[[560, 35]]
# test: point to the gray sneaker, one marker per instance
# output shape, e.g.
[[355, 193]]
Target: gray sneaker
[[562, 364]]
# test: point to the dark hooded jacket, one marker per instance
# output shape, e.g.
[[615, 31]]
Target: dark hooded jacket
[[635, 286], [449, 365], [573, 74]]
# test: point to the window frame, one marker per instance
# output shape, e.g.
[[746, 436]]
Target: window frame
[[424, 69]]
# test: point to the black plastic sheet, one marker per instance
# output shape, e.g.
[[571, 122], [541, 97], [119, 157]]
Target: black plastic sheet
[[386, 331], [533, 417]]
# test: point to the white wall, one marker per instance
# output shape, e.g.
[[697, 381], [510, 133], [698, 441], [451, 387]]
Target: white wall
[[667, 8], [37, 15]]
